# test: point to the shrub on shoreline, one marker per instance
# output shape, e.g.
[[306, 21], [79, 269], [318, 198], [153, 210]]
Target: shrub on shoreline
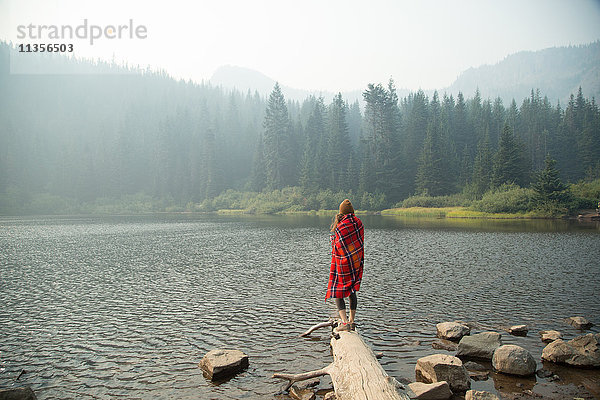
[[508, 198]]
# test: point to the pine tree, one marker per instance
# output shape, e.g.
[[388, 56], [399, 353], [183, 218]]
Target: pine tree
[[354, 119], [429, 173], [548, 187], [339, 146], [565, 147], [311, 163], [497, 123], [414, 132], [278, 170], [461, 126], [433, 173], [382, 118], [482, 168], [509, 163]]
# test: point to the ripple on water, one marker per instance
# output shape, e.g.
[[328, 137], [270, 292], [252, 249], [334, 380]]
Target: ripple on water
[[105, 308]]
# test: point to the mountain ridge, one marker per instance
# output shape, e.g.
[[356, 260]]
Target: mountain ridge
[[244, 79], [557, 72]]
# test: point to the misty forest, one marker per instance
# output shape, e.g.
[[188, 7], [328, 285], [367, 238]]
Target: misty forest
[[140, 139]]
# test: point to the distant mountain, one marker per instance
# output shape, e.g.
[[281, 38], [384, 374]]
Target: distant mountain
[[244, 79], [556, 71]]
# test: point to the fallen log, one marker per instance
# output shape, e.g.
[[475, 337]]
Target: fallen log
[[355, 372]]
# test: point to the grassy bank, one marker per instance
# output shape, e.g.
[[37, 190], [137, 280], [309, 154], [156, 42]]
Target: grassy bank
[[453, 212], [508, 201]]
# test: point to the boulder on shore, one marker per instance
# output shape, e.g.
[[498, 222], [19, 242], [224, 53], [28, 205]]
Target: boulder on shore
[[431, 391], [481, 345], [443, 367], [480, 395], [550, 336], [579, 323], [583, 351], [452, 330], [518, 330], [513, 360], [21, 393], [220, 363]]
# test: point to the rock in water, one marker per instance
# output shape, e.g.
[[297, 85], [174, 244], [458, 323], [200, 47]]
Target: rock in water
[[431, 391], [550, 336], [444, 344], [220, 363], [544, 373], [309, 383], [473, 366], [514, 360], [452, 330], [481, 345], [443, 367], [480, 395], [583, 351], [479, 375], [579, 323], [22, 393], [518, 330]]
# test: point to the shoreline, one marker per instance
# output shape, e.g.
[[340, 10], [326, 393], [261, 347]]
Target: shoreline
[[456, 213], [461, 212]]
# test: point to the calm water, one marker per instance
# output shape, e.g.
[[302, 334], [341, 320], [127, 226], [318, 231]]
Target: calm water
[[125, 307]]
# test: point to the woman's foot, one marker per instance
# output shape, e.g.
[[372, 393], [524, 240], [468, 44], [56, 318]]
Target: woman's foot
[[343, 326]]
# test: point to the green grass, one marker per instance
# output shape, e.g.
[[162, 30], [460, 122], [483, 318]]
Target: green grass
[[421, 212], [454, 212], [466, 213], [231, 211]]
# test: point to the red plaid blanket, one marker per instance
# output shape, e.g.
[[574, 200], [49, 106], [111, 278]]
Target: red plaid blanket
[[347, 258]]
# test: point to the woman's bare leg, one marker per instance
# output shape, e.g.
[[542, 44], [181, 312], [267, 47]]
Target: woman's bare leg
[[343, 316]]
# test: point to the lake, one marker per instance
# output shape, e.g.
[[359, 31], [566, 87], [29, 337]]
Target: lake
[[125, 307]]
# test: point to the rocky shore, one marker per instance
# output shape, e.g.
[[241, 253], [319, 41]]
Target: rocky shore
[[478, 356]]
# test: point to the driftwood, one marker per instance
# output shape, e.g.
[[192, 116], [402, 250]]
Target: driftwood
[[355, 372], [317, 326]]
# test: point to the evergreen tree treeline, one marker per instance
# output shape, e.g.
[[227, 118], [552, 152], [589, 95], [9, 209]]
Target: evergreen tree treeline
[[441, 147], [107, 136]]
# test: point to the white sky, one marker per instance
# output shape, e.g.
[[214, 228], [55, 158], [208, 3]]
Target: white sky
[[333, 45]]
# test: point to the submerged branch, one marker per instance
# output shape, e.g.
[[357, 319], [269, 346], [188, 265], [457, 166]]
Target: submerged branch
[[293, 378]]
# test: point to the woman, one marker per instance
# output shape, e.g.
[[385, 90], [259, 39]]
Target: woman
[[347, 259]]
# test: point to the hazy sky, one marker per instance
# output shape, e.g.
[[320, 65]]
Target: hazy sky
[[318, 45]]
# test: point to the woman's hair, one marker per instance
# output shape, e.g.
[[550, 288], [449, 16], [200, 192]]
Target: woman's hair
[[336, 220]]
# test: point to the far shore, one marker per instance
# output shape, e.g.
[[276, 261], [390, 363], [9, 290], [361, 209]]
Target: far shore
[[460, 212], [415, 212], [410, 212]]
